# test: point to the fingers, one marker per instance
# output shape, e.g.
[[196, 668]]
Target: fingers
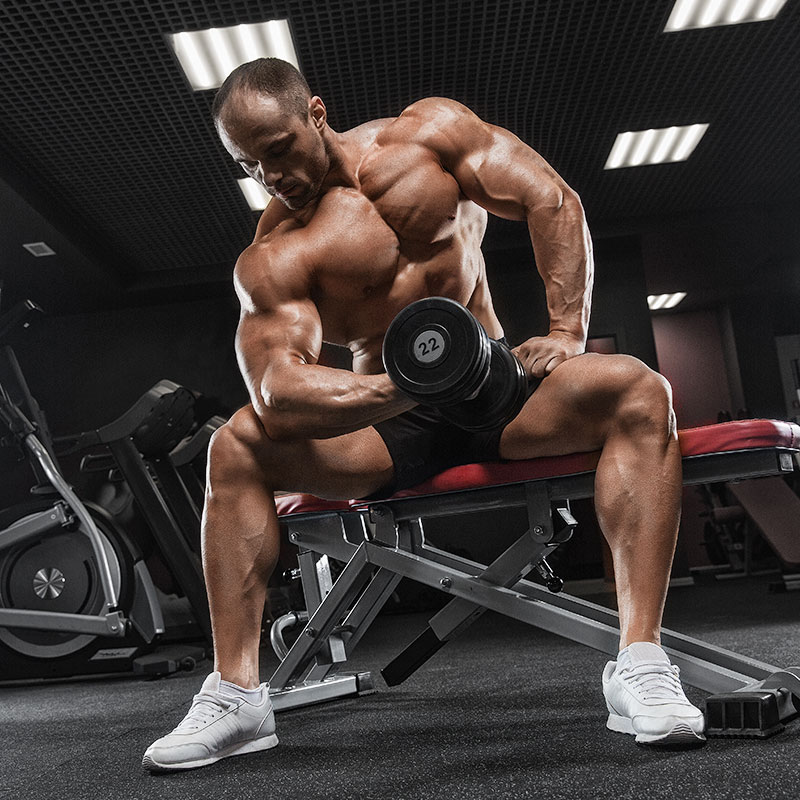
[[538, 361], [537, 366], [552, 364], [543, 366]]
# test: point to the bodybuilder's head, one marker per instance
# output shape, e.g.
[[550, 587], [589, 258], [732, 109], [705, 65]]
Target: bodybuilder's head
[[270, 123]]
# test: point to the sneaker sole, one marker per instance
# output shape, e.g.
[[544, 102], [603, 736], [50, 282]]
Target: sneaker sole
[[254, 746], [680, 735]]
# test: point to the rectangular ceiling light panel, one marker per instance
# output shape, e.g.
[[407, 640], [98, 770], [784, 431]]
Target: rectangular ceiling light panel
[[654, 146], [255, 194], [209, 56], [655, 302], [39, 249], [688, 14]]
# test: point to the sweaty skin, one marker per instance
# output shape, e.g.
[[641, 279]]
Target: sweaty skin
[[363, 223]]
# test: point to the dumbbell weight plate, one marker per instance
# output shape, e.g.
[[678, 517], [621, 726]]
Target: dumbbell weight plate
[[500, 399], [436, 351]]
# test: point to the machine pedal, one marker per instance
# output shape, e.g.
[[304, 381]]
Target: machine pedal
[[166, 660], [746, 714]]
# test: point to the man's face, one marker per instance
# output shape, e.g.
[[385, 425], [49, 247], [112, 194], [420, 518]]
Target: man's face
[[284, 152]]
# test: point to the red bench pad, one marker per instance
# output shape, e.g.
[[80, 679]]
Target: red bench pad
[[746, 434]]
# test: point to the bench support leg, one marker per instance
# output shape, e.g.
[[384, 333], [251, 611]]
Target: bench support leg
[[341, 613]]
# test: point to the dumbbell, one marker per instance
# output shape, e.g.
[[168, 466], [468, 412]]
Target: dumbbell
[[438, 354]]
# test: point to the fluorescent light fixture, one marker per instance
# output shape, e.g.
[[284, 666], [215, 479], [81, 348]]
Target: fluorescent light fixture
[[209, 56], [654, 146], [688, 14], [39, 249], [255, 194], [655, 302]]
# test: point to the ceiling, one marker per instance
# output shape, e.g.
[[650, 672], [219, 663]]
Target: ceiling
[[109, 156]]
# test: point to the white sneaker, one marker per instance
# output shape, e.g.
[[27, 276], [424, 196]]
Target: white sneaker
[[218, 725], [644, 697]]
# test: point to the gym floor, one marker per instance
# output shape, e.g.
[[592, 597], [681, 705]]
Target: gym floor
[[504, 711]]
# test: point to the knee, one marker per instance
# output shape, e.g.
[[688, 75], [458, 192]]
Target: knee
[[238, 447], [644, 400]]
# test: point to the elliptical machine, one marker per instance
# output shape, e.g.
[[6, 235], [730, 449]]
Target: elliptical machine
[[75, 595]]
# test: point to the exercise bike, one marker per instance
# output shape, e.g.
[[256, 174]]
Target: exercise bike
[[75, 595]]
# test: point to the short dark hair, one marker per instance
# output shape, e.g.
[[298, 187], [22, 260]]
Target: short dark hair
[[269, 76]]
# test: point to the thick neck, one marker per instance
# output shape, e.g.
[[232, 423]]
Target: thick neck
[[343, 163]]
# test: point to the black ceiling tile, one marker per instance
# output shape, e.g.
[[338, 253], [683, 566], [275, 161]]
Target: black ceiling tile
[[97, 114]]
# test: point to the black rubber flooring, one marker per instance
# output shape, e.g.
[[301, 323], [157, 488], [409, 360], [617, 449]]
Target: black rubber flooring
[[504, 711]]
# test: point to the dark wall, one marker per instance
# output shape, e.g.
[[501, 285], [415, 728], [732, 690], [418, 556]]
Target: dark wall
[[691, 356], [620, 299], [87, 369], [769, 311], [744, 259]]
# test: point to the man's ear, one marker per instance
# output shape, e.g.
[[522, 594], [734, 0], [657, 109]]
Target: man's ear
[[319, 114]]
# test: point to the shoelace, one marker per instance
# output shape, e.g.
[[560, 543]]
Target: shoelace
[[205, 706], [655, 680]]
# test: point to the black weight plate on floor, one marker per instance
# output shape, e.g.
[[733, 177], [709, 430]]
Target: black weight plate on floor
[[499, 400], [436, 352]]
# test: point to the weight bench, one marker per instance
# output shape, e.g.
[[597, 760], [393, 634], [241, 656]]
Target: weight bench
[[382, 541]]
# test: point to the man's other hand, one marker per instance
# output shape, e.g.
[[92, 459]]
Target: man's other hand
[[540, 355]]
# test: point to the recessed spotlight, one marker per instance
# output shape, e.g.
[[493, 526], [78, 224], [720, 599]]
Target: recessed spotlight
[[39, 249], [209, 56], [688, 14], [656, 302], [255, 194], [655, 146]]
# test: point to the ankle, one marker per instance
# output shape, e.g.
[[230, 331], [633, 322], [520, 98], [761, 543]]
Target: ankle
[[624, 645], [246, 686], [242, 678]]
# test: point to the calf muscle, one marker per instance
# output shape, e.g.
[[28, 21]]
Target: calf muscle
[[241, 535], [617, 405]]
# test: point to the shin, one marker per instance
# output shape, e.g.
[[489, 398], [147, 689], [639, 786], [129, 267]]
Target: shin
[[240, 546], [637, 498]]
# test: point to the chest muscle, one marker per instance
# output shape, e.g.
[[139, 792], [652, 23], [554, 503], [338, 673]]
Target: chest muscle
[[414, 196]]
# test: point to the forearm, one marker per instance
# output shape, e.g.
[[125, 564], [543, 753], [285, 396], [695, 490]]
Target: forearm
[[308, 401], [563, 250]]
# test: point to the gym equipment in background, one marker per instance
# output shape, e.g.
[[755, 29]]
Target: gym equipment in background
[[138, 445], [75, 595], [753, 528]]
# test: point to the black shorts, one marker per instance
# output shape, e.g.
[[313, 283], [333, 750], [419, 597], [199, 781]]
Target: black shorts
[[422, 444]]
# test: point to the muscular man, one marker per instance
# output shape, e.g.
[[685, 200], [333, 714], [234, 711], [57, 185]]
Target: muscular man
[[363, 223]]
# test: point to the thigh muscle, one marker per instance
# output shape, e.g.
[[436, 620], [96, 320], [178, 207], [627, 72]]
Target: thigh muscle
[[353, 465]]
